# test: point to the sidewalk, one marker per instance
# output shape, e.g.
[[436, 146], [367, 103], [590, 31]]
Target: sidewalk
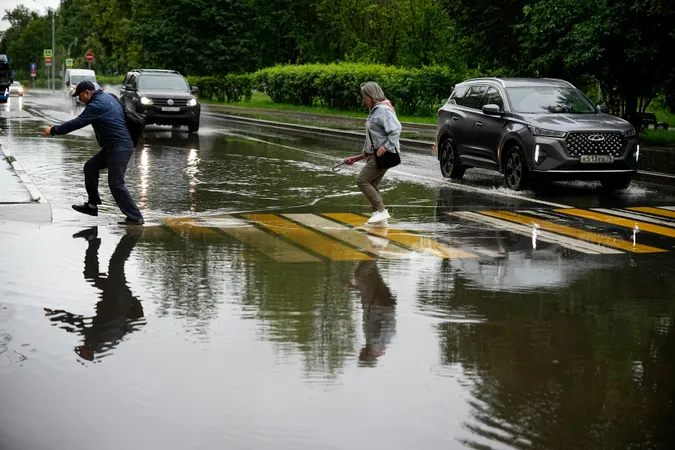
[[21, 201]]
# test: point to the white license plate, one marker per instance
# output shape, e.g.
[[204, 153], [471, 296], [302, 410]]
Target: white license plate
[[170, 108], [593, 159]]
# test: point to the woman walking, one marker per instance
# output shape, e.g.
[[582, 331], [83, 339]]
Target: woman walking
[[380, 150]]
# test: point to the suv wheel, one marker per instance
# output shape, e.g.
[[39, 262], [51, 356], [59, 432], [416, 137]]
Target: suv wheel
[[449, 161], [193, 127], [617, 183], [515, 169]]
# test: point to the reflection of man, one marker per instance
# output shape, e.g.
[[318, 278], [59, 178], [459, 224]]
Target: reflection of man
[[118, 312], [379, 311]]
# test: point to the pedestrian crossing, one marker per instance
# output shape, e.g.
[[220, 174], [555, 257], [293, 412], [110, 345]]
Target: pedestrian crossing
[[312, 238]]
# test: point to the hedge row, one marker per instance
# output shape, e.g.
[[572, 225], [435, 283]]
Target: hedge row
[[412, 91]]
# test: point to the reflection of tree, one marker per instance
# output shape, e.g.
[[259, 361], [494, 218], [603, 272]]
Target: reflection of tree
[[118, 312], [306, 305], [588, 367], [379, 311]]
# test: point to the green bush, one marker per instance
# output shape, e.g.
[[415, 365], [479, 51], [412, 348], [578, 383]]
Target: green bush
[[110, 79], [412, 91], [231, 88]]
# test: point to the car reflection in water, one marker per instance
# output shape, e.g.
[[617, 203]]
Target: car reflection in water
[[118, 312], [524, 263], [379, 312]]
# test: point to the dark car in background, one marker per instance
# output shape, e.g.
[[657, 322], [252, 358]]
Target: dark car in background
[[529, 129], [164, 96]]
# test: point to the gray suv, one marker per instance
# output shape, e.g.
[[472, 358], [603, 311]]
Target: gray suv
[[534, 129]]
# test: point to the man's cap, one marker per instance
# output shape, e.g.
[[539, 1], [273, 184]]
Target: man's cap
[[83, 86]]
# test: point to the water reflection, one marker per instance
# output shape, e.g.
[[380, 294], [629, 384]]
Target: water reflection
[[589, 366], [118, 312], [379, 312]]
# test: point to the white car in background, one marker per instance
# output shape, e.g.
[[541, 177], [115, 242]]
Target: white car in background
[[16, 88]]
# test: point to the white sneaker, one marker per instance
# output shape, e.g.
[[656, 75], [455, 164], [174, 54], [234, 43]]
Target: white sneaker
[[379, 217]]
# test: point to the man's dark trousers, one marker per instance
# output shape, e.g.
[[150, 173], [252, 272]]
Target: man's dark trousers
[[115, 160]]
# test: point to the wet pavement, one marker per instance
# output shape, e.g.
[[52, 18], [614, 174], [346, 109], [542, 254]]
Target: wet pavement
[[255, 311]]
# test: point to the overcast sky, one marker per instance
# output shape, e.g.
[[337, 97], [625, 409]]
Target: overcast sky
[[30, 4]]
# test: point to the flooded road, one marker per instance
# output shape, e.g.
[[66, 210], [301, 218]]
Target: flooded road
[[254, 311]]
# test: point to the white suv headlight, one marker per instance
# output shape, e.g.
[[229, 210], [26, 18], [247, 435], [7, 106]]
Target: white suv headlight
[[192, 102], [146, 101]]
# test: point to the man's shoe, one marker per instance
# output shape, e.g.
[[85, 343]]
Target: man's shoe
[[128, 221], [86, 209]]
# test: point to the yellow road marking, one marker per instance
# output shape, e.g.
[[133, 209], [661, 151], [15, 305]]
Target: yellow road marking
[[253, 237], [614, 220], [309, 239], [573, 232], [655, 211], [188, 225], [359, 240], [414, 241]]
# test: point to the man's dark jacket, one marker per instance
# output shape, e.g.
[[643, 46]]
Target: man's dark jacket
[[106, 115]]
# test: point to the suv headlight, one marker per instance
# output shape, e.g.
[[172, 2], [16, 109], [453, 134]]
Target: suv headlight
[[146, 101], [192, 102], [630, 133], [536, 131]]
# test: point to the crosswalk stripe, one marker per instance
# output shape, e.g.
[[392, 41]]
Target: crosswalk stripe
[[252, 237], [542, 235], [414, 241], [664, 212], [355, 238], [614, 220], [573, 232], [669, 208], [188, 225], [309, 239], [634, 216]]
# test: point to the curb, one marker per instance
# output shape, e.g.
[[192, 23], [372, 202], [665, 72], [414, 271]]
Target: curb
[[35, 194], [240, 110]]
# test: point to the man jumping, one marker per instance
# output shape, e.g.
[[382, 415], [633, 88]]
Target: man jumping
[[106, 115]]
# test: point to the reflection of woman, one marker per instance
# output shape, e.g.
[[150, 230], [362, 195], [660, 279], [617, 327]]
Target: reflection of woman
[[379, 311], [118, 312]]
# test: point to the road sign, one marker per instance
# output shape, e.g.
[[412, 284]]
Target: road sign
[[33, 74], [47, 53], [89, 56], [69, 62], [48, 60], [33, 66]]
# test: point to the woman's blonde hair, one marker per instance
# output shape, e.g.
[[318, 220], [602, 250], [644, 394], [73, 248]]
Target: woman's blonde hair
[[373, 90]]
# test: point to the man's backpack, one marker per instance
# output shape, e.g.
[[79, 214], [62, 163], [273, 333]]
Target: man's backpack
[[135, 122]]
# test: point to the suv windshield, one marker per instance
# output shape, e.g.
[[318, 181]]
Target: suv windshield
[[74, 79], [163, 82], [549, 100]]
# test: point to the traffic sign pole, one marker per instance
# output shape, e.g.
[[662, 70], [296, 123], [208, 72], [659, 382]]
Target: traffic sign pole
[[89, 57]]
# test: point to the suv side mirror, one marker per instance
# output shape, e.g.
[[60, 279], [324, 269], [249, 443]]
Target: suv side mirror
[[492, 110], [603, 109], [67, 83], [195, 89]]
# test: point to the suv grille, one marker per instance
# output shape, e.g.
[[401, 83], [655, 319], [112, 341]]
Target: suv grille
[[164, 102], [594, 144]]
